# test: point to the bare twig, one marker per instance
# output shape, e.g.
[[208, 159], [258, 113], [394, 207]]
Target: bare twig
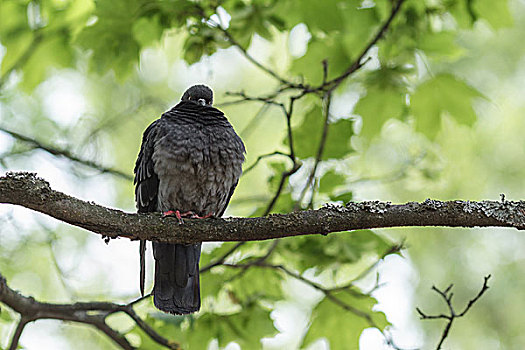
[[221, 259], [358, 62], [319, 155], [329, 292], [243, 97], [252, 124], [255, 62], [66, 154], [18, 332], [261, 157], [452, 315]]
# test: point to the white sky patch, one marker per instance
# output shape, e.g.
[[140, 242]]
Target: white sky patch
[[42, 335], [153, 65], [343, 104], [218, 71], [2, 52], [63, 98], [396, 301], [372, 339], [298, 40], [260, 48], [373, 59], [6, 141], [120, 258]]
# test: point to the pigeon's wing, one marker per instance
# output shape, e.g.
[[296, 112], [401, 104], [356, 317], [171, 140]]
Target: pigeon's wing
[[232, 189], [238, 159], [146, 187], [146, 180]]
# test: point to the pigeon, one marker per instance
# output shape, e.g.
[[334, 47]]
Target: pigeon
[[189, 164]]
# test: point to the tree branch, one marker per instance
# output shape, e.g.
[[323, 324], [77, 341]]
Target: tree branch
[[65, 153], [92, 313], [447, 296], [358, 62], [29, 191]]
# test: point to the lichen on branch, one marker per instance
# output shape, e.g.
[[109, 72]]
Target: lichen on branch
[[30, 191]]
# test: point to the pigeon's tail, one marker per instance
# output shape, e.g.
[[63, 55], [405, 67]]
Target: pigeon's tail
[[177, 288]]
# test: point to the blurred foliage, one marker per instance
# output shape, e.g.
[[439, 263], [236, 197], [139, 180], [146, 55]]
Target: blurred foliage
[[414, 122]]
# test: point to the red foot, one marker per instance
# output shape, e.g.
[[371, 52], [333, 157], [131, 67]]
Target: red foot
[[188, 214], [176, 213], [195, 216]]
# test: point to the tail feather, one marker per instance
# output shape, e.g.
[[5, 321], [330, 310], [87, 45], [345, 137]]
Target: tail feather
[[177, 288], [142, 278]]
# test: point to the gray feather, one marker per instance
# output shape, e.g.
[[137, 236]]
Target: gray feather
[[190, 160]]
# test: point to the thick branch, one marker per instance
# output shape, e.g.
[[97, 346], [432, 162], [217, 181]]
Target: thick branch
[[27, 190], [92, 313]]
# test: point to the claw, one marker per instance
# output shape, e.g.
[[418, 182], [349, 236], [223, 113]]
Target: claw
[[188, 214], [176, 213]]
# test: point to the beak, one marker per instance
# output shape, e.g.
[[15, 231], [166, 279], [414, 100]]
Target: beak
[[202, 102]]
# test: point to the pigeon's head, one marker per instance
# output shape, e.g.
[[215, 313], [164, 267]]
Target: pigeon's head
[[200, 94]]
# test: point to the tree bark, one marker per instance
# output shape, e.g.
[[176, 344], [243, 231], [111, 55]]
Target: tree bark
[[27, 190]]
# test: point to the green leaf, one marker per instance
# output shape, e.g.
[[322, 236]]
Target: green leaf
[[343, 331], [329, 48], [17, 46], [307, 136], [343, 197], [321, 15], [278, 168], [256, 284], [359, 24], [443, 93], [210, 256], [338, 140], [343, 248], [329, 181], [440, 44], [5, 315], [250, 18], [497, 13], [147, 31], [245, 327], [377, 107], [54, 51], [111, 37]]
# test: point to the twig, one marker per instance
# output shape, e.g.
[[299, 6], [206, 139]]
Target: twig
[[250, 58], [327, 291], [18, 332], [117, 337], [246, 98], [221, 259], [252, 124], [358, 63], [261, 157], [150, 331], [67, 154], [447, 296], [319, 155]]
